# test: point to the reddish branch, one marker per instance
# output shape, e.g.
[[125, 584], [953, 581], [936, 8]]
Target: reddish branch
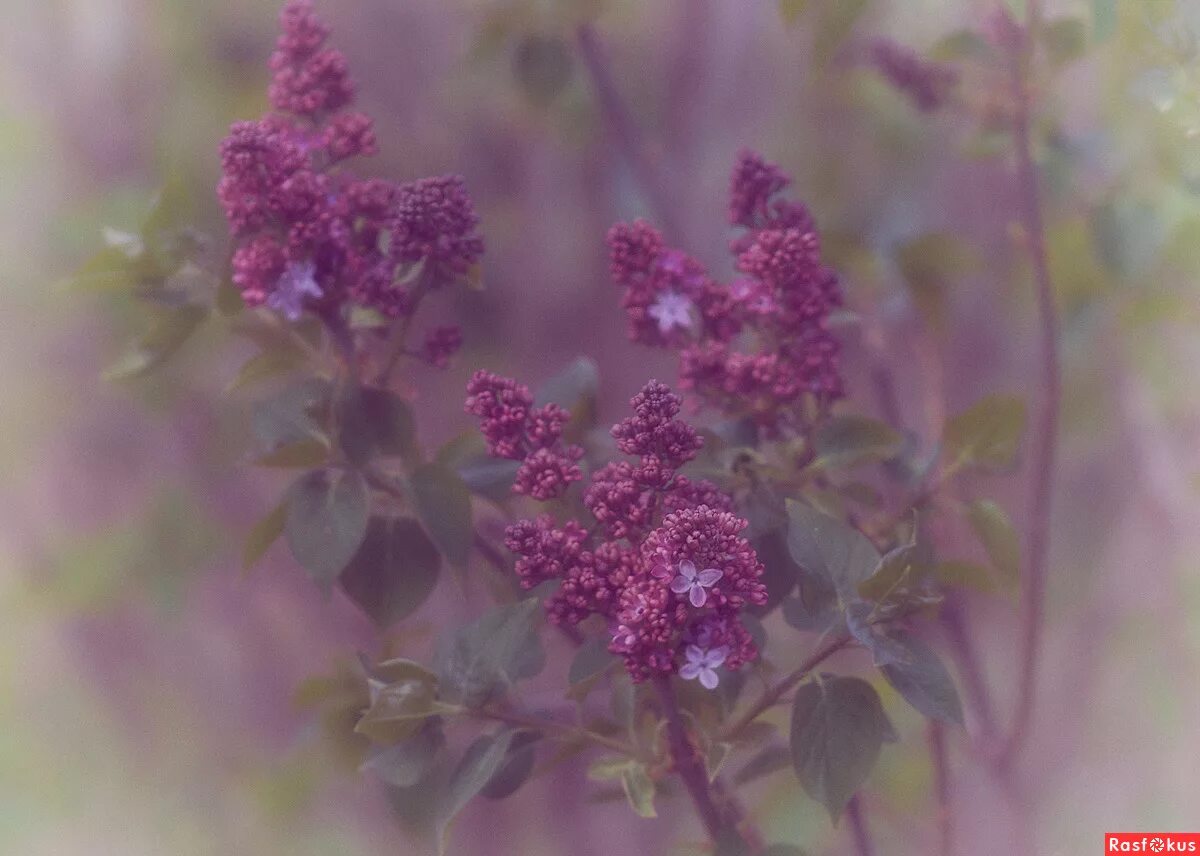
[[1045, 434]]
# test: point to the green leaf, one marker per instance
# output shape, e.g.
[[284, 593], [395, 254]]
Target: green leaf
[[476, 769], [376, 422], [398, 710], [835, 22], [924, 681], [443, 503], [574, 388], [1104, 18], [846, 441], [825, 546], [959, 573], [961, 45], [838, 729], [326, 521], [895, 569], [930, 265], [407, 763], [987, 434], [264, 533], [489, 477], [487, 656], [267, 365], [292, 415], [998, 537], [516, 769], [591, 661], [166, 335], [303, 454], [791, 10], [639, 790], [394, 570], [542, 66], [780, 572], [883, 647], [1065, 39]]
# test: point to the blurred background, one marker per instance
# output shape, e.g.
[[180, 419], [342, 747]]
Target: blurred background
[[148, 686]]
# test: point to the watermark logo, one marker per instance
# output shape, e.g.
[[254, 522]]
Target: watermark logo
[[1152, 842]]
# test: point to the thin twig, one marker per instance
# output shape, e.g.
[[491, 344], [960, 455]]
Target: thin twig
[[1045, 435], [941, 787], [858, 826], [622, 127], [774, 693], [690, 766]]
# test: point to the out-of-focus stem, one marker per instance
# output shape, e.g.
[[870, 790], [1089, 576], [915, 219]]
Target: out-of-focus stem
[[941, 787], [967, 660], [858, 826], [690, 766], [622, 127], [1045, 434]]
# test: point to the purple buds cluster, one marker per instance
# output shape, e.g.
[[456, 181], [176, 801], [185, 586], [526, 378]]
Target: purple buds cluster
[[664, 568], [312, 237], [515, 429], [760, 344]]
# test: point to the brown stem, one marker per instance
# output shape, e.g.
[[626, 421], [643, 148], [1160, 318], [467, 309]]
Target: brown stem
[[1045, 435], [941, 787], [771, 696], [622, 127], [690, 765], [858, 826]]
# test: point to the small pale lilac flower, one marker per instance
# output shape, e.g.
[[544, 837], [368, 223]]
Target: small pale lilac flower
[[296, 283], [702, 663], [624, 637], [693, 583], [671, 310]]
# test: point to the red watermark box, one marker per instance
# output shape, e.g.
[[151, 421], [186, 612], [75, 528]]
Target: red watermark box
[[1152, 842]]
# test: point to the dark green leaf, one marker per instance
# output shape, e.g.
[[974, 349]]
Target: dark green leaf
[[489, 477], [998, 537], [884, 649], [326, 521], [376, 422], [406, 763], [770, 759], [394, 570], [488, 655], [838, 729], [780, 572], [471, 776], [517, 767], [846, 441], [825, 546], [924, 681], [166, 335], [987, 434], [265, 533], [443, 503]]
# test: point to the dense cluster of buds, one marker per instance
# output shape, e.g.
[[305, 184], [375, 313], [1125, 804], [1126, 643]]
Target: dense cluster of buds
[[517, 430], [928, 84], [757, 346], [664, 567], [309, 234]]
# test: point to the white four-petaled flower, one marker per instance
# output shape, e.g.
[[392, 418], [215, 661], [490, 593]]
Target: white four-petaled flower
[[702, 663], [297, 282], [693, 583], [671, 310]]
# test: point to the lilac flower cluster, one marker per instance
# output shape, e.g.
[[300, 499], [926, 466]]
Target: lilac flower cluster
[[517, 430], [312, 237], [664, 568], [927, 84], [760, 344]]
